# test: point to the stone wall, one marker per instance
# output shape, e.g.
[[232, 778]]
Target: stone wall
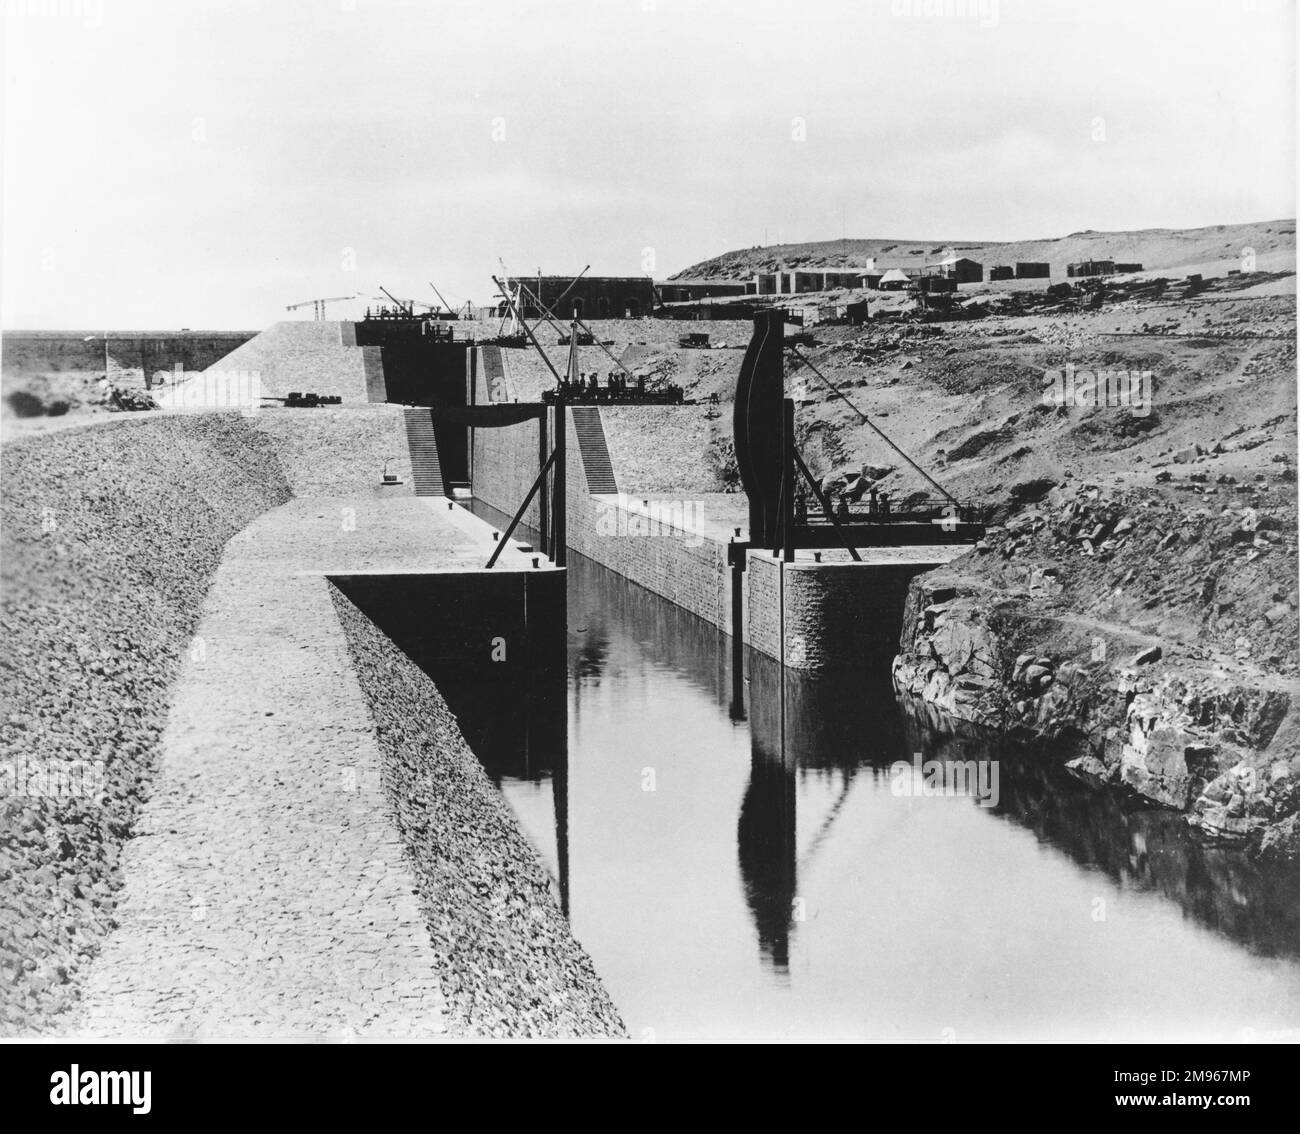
[[836, 615]]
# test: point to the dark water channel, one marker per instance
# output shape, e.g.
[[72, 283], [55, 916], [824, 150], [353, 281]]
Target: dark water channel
[[762, 870]]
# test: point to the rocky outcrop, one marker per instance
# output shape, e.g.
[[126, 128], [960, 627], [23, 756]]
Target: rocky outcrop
[[1012, 637]]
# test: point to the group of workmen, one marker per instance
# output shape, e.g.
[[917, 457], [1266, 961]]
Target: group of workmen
[[878, 505], [590, 383]]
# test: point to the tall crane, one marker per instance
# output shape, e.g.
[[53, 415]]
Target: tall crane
[[318, 305]]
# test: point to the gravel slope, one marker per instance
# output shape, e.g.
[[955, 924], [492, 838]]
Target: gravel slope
[[510, 965], [110, 537]]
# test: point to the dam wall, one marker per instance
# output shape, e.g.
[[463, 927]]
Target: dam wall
[[121, 355], [813, 616]]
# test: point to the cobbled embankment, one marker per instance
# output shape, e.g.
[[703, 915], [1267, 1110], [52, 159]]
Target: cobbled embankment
[[110, 537], [510, 966]]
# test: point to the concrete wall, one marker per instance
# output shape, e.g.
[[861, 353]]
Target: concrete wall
[[668, 558], [486, 624]]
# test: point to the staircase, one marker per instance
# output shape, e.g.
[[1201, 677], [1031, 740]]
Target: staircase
[[426, 472], [595, 453]]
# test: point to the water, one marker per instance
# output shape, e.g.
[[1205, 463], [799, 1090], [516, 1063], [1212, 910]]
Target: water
[[729, 883]]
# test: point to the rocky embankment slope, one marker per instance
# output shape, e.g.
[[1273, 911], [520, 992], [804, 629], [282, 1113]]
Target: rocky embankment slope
[[110, 537], [510, 966], [1150, 633]]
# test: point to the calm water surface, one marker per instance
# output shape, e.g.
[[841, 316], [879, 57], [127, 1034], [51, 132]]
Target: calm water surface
[[732, 877]]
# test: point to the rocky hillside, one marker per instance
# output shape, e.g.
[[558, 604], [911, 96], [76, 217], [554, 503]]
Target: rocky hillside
[[1151, 633], [1154, 248], [1135, 602]]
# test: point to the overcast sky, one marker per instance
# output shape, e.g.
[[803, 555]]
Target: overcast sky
[[204, 163]]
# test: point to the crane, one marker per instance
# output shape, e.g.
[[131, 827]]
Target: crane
[[443, 301], [406, 305], [318, 305]]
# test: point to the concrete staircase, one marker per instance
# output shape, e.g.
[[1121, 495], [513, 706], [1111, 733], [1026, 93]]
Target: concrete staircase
[[426, 472], [595, 453]]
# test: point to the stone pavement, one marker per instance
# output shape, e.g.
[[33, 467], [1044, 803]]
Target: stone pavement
[[266, 894]]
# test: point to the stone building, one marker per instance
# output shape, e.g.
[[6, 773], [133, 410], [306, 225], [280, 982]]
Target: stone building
[[590, 297]]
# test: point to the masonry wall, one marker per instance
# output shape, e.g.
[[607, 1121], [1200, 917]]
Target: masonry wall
[[836, 615]]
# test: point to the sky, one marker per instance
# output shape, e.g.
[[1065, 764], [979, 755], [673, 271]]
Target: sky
[[206, 163]]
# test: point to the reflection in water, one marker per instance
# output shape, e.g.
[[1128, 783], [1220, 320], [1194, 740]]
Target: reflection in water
[[1133, 843], [765, 836], [796, 721], [773, 884]]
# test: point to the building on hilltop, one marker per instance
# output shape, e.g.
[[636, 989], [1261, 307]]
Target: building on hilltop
[[960, 269], [588, 297], [685, 291], [1091, 268], [799, 281]]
